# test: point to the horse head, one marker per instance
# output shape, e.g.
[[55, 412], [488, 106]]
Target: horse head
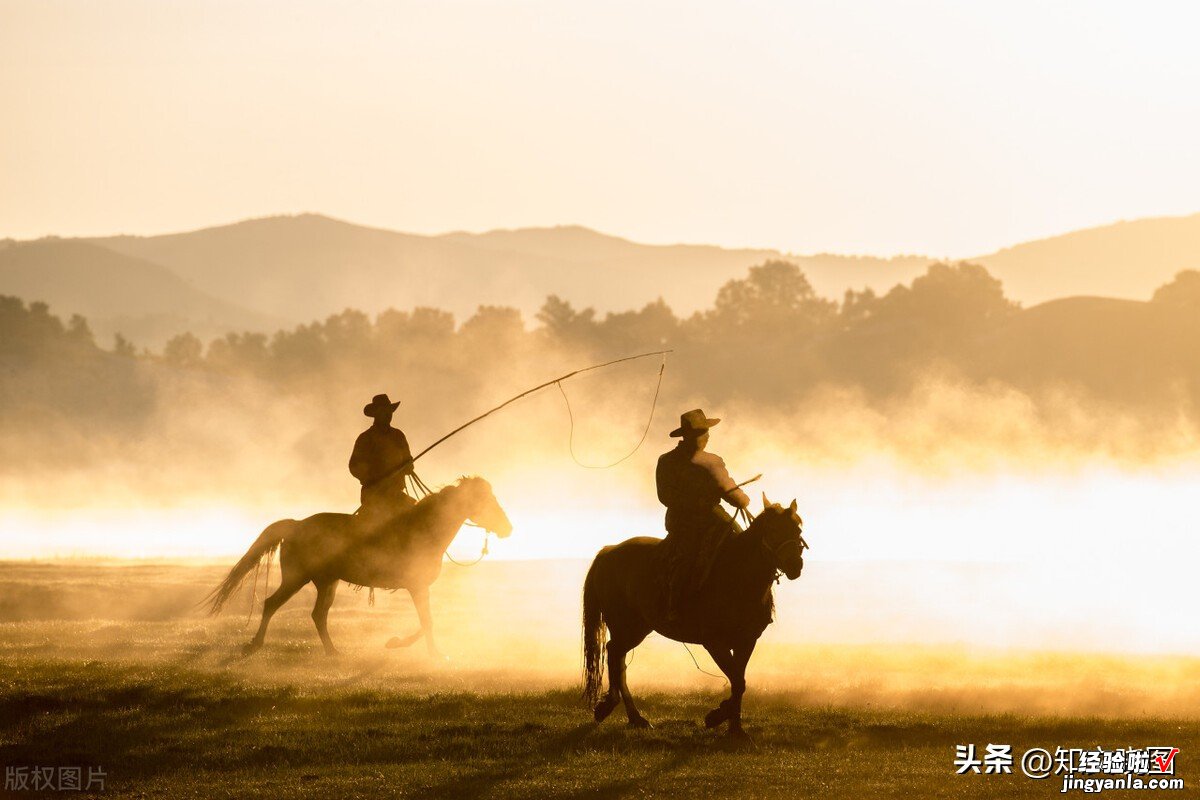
[[481, 506], [781, 530]]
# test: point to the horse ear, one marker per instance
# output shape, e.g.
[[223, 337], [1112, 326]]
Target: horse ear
[[792, 507], [766, 502]]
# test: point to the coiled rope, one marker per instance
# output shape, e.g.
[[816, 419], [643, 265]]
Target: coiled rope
[[645, 432], [420, 489]]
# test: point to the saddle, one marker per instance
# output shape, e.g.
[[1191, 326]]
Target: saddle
[[378, 510]]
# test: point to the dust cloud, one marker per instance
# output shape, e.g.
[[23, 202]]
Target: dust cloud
[[513, 626], [973, 547]]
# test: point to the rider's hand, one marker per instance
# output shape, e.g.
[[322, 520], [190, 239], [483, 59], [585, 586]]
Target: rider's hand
[[739, 499]]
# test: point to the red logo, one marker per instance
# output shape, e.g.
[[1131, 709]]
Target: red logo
[[1164, 762]]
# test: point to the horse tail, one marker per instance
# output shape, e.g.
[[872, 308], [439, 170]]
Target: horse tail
[[593, 635], [263, 546]]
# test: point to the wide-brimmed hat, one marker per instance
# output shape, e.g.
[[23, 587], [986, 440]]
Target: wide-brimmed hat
[[693, 423], [377, 405]]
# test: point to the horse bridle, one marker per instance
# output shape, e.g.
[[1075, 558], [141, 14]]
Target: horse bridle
[[747, 518], [773, 551]]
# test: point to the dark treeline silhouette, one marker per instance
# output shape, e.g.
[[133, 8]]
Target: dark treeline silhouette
[[51, 372], [768, 341], [768, 338]]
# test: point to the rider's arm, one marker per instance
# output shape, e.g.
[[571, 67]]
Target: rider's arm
[[406, 465], [666, 483], [729, 491], [360, 461], [738, 498]]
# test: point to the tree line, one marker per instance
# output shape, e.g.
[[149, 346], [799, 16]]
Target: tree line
[[768, 340]]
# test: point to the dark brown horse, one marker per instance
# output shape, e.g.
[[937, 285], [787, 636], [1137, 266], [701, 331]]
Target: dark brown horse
[[403, 553], [624, 592]]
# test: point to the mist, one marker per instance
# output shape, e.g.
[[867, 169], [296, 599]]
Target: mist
[[975, 541], [957, 517], [949, 501]]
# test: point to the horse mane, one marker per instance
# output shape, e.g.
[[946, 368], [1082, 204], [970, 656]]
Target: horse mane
[[427, 503], [415, 517], [419, 514], [742, 549], [457, 484]]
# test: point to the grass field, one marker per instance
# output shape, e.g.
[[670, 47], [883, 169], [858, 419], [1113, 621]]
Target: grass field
[[156, 695]]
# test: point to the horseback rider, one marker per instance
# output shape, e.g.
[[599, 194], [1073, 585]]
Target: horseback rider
[[691, 484], [382, 461]]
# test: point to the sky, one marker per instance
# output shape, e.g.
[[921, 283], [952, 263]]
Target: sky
[[947, 129]]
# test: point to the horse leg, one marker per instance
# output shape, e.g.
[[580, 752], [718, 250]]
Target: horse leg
[[617, 650], [612, 697], [610, 700], [737, 685], [723, 657], [420, 598], [272, 604], [320, 613], [406, 641]]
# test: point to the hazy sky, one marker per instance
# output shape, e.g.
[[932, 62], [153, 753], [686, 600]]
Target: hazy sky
[[947, 128]]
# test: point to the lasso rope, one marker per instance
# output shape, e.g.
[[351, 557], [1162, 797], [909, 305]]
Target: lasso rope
[[645, 432], [420, 489], [697, 663], [528, 392]]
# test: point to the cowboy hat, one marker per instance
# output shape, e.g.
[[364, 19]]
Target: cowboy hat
[[378, 403], [693, 423]]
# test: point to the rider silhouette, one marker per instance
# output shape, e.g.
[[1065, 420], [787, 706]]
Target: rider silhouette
[[691, 484], [381, 461]]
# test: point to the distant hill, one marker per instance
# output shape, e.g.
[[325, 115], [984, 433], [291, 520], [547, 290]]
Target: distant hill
[[145, 302], [1126, 259], [831, 275], [263, 273], [1118, 349], [300, 267]]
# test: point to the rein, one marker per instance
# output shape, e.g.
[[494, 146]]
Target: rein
[[482, 552], [773, 551], [421, 489]]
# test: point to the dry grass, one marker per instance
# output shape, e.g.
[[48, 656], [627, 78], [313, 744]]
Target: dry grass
[[160, 700]]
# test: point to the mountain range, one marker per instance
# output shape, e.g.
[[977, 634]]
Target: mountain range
[[267, 273]]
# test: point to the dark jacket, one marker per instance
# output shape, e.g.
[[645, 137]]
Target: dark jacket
[[378, 453], [691, 483]]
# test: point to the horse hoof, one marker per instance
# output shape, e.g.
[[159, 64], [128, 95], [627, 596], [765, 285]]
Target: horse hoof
[[604, 708], [396, 642], [640, 722], [250, 648], [332, 653], [715, 717]]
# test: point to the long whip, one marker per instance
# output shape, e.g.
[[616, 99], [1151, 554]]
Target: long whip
[[526, 393], [420, 485], [645, 431]]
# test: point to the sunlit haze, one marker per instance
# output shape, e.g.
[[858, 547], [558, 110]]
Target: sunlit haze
[[939, 128], [565, 399]]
